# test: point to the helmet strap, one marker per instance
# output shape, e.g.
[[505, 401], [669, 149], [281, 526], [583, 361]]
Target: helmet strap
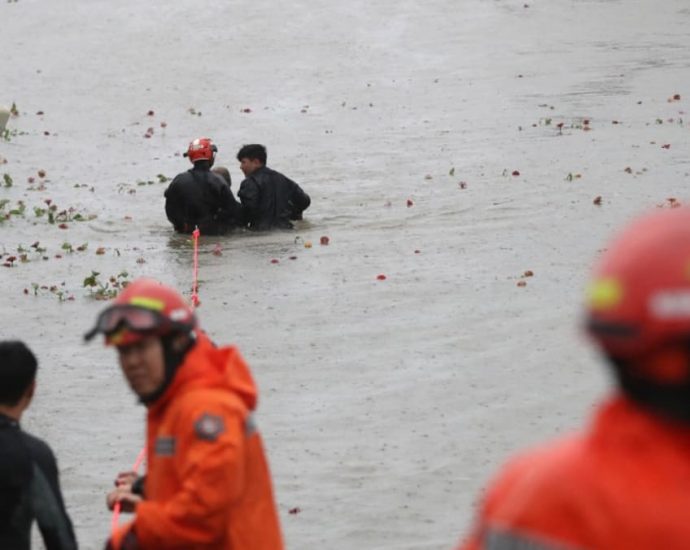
[[668, 395], [173, 356]]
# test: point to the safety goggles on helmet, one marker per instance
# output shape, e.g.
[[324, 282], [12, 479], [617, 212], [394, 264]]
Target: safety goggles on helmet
[[132, 318]]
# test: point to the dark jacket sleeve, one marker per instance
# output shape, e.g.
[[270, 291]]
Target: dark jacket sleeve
[[48, 505], [174, 207], [16, 473], [249, 195], [298, 200]]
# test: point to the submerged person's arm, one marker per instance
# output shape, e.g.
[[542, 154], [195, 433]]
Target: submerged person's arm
[[232, 210]]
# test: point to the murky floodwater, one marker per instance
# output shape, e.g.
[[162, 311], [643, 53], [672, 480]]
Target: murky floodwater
[[385, 404]]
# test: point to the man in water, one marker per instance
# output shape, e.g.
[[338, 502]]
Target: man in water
[[200, 197], [269, 199]]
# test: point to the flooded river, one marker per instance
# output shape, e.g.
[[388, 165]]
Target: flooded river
[[452, 147]]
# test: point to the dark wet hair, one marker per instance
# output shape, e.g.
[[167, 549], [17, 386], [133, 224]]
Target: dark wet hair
[[253, 151], [17, 371]]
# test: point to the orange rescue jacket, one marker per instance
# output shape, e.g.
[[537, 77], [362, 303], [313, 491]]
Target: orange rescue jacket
[[208, 484], [624, 484]]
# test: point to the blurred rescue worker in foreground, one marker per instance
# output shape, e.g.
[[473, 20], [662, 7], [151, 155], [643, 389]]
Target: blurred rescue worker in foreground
[[29, 485], [201, 197], [269, 199], [624, 482], [208, 484]]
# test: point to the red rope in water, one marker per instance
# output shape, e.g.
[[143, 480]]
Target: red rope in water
[[195, 284], [117, 508]]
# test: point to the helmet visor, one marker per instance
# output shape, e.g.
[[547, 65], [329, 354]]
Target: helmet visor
[[133, 318]]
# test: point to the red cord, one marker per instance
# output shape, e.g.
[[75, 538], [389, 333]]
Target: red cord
[[195, 284], [116, 509], [195, 303]]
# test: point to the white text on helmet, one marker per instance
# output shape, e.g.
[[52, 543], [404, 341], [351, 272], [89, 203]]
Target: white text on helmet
[[670, 304], [178, 315]]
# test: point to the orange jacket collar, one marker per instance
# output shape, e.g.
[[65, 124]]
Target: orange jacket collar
[[206, 366]]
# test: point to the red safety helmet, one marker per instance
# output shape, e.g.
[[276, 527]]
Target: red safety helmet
[[201, 149], [638, 303], [146, 307]]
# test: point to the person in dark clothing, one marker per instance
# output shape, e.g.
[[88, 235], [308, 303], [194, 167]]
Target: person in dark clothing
[[29, 485], [269, 199], [200, 197]]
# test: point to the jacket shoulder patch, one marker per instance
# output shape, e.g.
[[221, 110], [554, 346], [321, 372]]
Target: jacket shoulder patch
[[209, 427]]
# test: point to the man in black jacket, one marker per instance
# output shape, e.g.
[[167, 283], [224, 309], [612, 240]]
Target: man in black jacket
[[200, 197], [29, 485], [269, 199]]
